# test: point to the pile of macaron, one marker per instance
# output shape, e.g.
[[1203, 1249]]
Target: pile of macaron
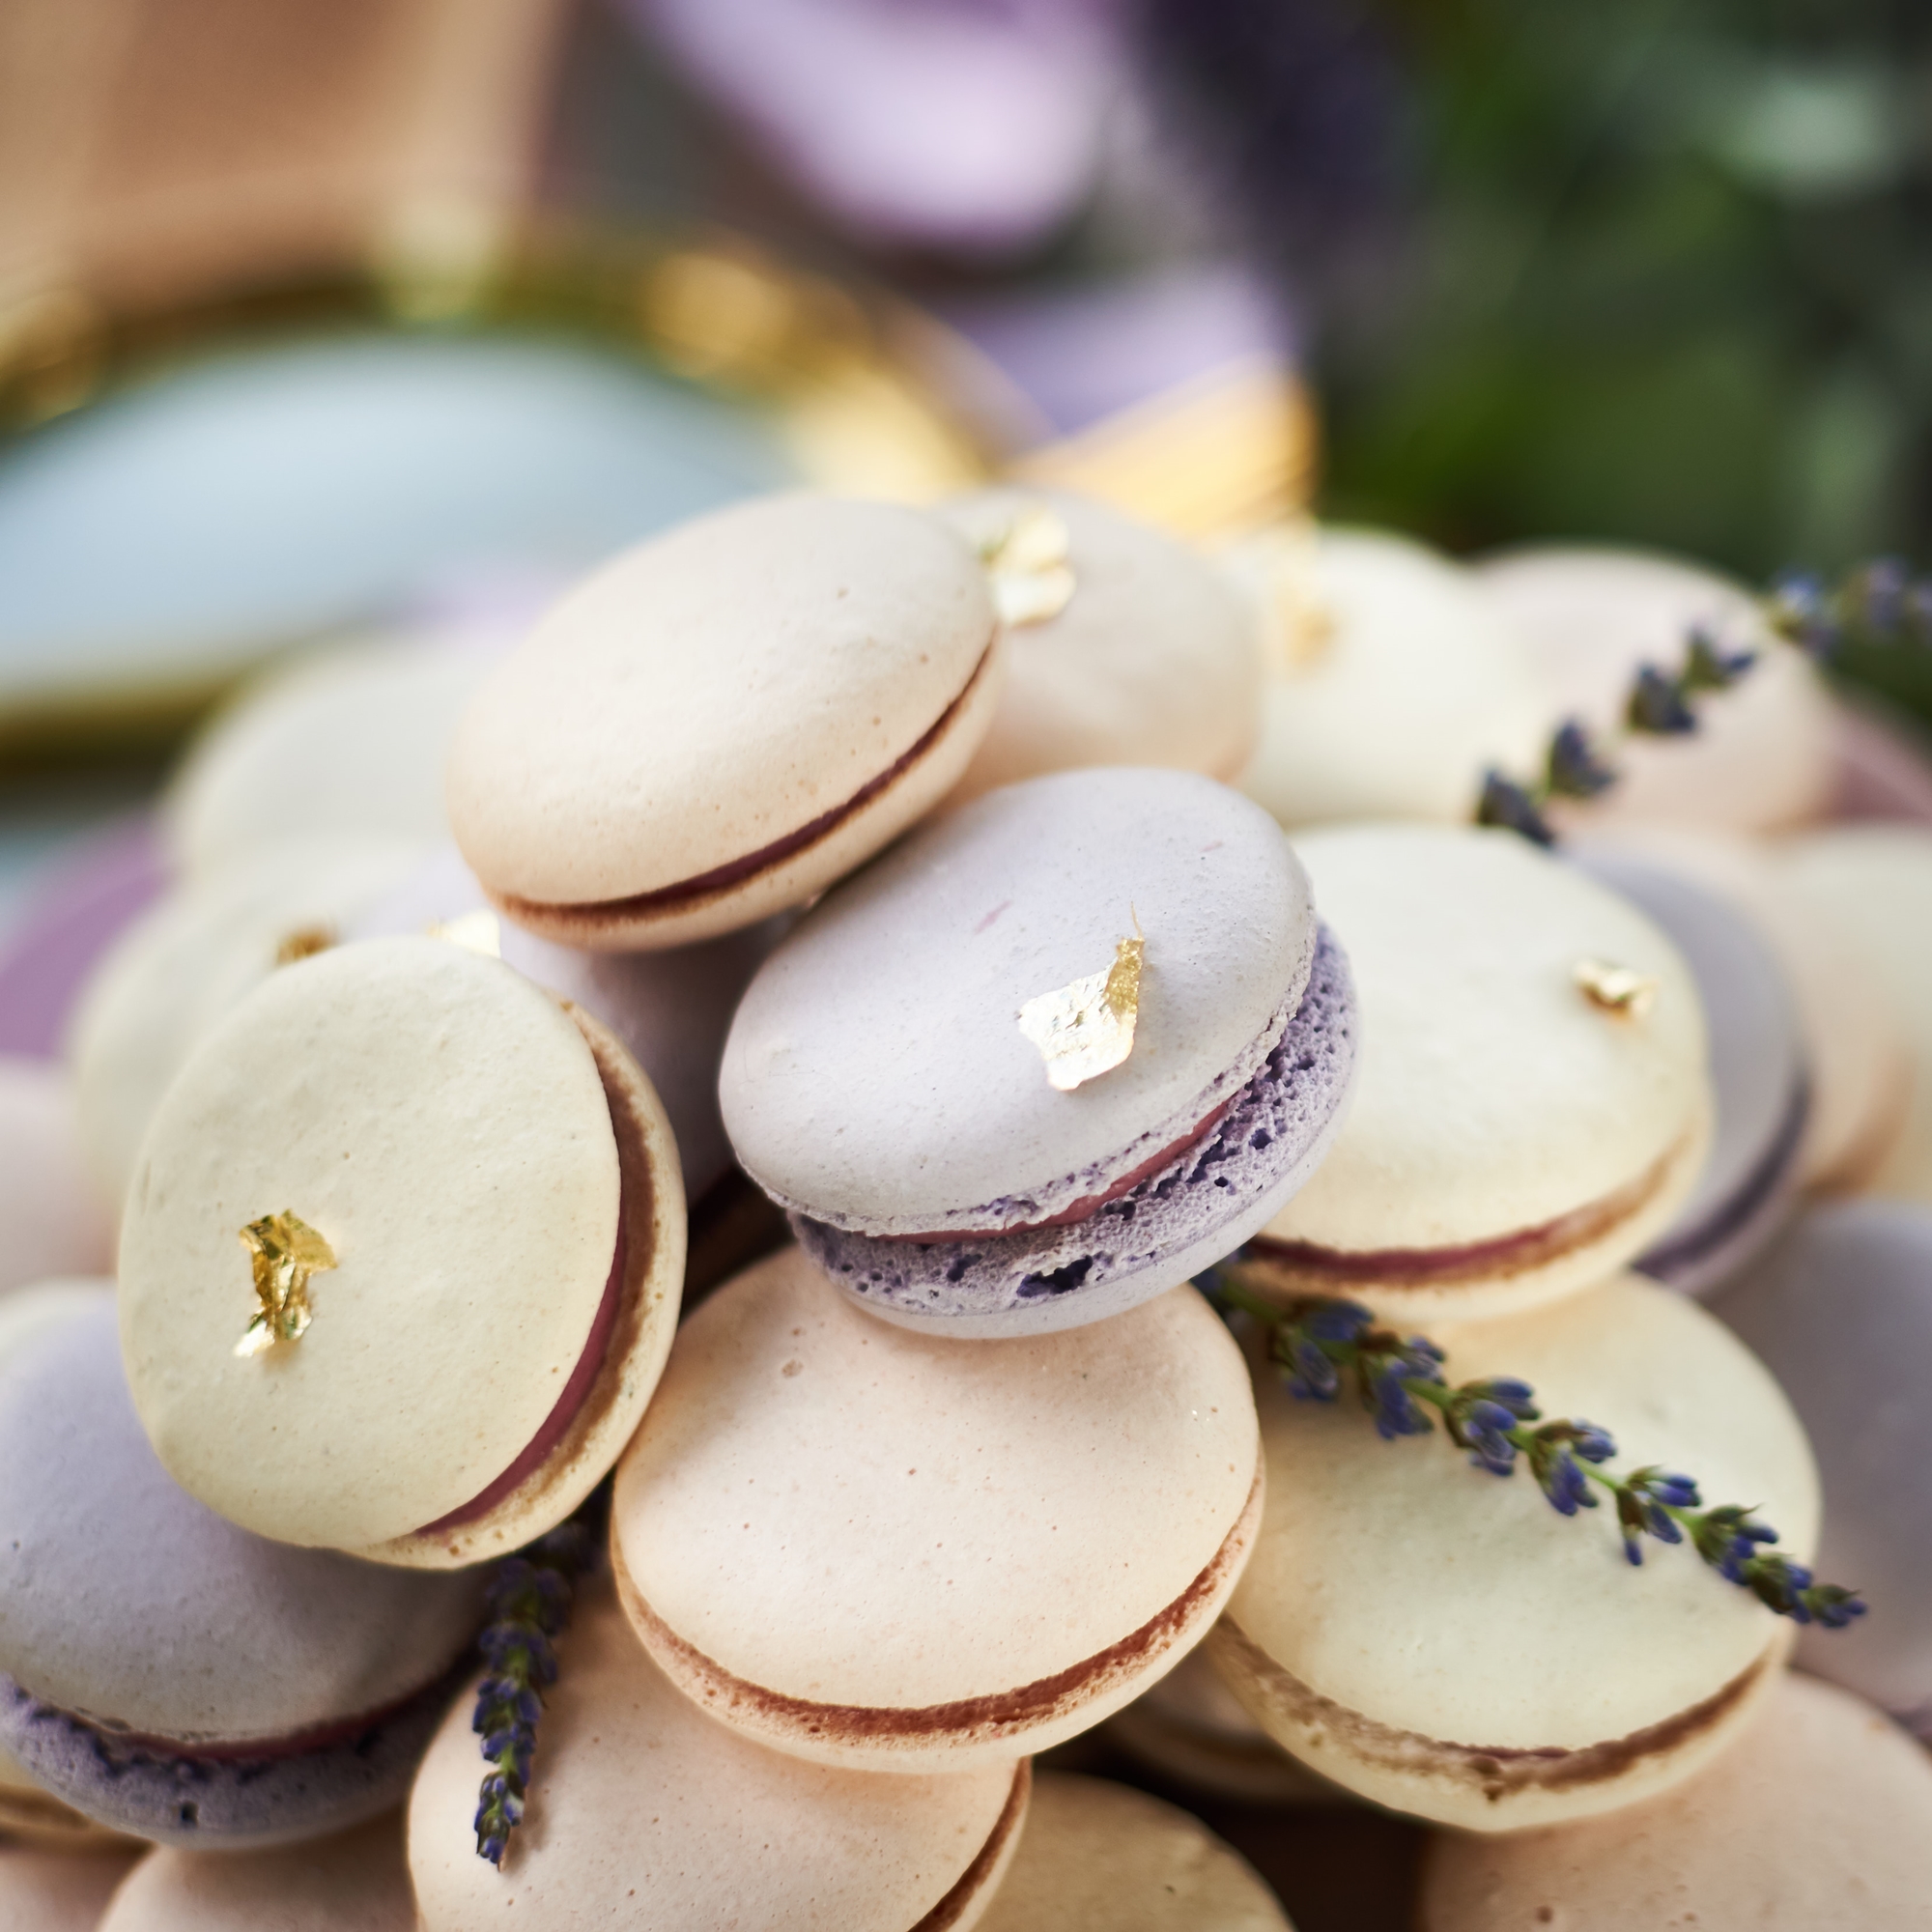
[[721, 1173]]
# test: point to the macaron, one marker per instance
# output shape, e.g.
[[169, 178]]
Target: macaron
[[1840, 1313], [1125, 646], [468, 1195], [928, 1075], [1820, 1816], [1760, 1074], [640, 1810], [53, 1219], [724, 719], [875, 1547], [1872, 885], [181, 965], [170, 1675], [1885, 766], [358, 1881], [57, 1891], [1096, 1857], [1764, 757], [1444, 1643], [1393, 682], [669, 1009], [1533, 1107]]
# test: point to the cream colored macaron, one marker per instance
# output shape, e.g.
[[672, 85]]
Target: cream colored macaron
[[1764, 757], [1125, 647], [53, 1216], [1532, 1106], [724, 719], [1817, 1819], [1444, 1643], [875, 1546], [358, 1881], [185, 962], [642, 1811], [1096, 1857], [1393, 682], [495, 1190], [1871, 886]]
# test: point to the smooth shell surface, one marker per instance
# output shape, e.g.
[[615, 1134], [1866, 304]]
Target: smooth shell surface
[[1433, 1599], [1818, 1819], [710, 692], [1394, 681], [240, 1638], [53, 1218], [847, 1513], [1493, 1095], [1096, 1857], [442, 1124], [644, 1811], [876, 1077], [1764, 755], [1154, 661]]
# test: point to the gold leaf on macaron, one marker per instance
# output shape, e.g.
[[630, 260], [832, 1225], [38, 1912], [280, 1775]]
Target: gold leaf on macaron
[[1087, 1029], [1026, 568], [284, 1252], [1620, 990], [479, 931], [303, 943]]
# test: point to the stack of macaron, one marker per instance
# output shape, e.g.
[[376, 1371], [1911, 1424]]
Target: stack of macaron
[[432, 1520]]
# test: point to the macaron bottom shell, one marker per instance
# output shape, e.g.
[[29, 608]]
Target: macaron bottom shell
[[1193, 1211], [32, 1816], [792, 868], [598, 1411]]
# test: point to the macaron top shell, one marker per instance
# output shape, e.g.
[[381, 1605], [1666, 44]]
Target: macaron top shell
[[442, 1124], [876, 1076], [711, 691], [837, 1509], [124, 1599], [1517, 1628], [1493, 1095], [1764, 752], [641, 1810], [1096, 1857], [1154, 660], [358, 1881], [53, 1217], [1818, 1816]]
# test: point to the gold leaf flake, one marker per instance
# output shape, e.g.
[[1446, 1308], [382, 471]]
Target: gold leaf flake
[[1087, 1029], [1027, 569], [1621, 990], [305, 943], [284, 1251], [1304, 620], [479, 931]]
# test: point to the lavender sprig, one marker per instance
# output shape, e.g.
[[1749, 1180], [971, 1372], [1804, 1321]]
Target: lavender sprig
[[530, 1597], [1879, 603], [1322, 1345]]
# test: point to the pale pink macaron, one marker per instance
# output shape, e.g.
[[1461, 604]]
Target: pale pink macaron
[[53, 1217], [873, 1547], [642, 1811], [358, 1881], [1818, 1819]]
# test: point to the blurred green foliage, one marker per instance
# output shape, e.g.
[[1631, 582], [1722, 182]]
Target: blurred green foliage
[[1669, 282]]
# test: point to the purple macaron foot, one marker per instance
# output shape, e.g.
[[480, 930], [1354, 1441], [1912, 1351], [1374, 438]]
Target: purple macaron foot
[[1167, 1227]]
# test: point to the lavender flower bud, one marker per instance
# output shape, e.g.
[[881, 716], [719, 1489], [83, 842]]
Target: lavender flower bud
[[1657, 706], [1505, 804], [1574, 768]]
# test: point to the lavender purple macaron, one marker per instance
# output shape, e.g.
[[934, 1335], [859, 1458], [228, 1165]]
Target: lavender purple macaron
[[901, 1075]]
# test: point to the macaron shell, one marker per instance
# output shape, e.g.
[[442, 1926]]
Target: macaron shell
[[1096, 1856], [1394, 1583], [1393, 683], [1154, 661], [641, 1810], [358, 1881], [1764, 755], [442, 1124], [892, 1007], [43, 1890], [826, 1517], [1818, 1816], [53, 1220], [1494, 1096], [709, 692]]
